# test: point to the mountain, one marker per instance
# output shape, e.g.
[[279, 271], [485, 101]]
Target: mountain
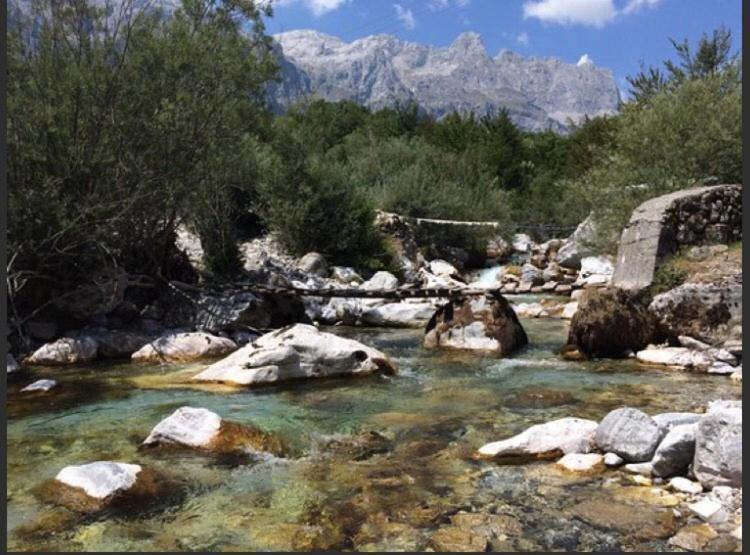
[[379, 70]]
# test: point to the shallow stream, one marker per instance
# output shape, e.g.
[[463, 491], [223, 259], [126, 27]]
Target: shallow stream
[[341, 487]]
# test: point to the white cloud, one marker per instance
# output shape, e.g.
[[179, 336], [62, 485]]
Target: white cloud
[[585, 60], [405, 16], [439, 5], [634, 6], [595, 13], [317, 7], [523, 38]]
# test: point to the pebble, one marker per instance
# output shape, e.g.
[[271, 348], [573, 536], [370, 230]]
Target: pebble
[[613, 459], [644, 469]]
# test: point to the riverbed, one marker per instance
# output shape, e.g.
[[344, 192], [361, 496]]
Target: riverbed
[[377, 463]]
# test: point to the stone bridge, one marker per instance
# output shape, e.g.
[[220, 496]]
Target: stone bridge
[[658, 227]]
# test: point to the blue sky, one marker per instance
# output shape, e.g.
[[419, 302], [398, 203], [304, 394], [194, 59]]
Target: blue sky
[[616, 34]]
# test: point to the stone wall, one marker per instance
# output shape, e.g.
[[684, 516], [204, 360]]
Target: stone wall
[[658, 227]]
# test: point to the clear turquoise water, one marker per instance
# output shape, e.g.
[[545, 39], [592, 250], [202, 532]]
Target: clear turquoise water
[[435, 413]]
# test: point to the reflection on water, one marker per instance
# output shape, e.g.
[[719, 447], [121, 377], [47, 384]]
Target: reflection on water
[[343, 487]]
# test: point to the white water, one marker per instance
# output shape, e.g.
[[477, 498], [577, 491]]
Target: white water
[[488, 277]]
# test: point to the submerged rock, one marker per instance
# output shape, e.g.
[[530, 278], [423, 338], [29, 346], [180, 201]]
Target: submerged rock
[[718, 446], [39, 385], [630, 433], [295, 352], [611, 323], [563, 436], [98, 485], [487, 324], [202, 429], [694, 537], [66, 350], [184, 347]]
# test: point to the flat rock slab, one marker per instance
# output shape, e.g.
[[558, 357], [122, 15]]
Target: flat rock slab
[[643, 522], [39, 385], [563, 436], [693, 538]]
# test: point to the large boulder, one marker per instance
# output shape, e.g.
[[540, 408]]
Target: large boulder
[[551, 439], [119, 343], [411, 313], [184, 347], [675, 452], [703, 311], [99, 485], [295, 352], [577, 246], [486, 323], [612, 323], [630, 433], [718, 446], [66, 350], [313, 263], [199, 428], [380, 280]]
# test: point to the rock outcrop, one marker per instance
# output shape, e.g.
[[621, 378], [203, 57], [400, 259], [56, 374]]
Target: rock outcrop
[[297, 352], [199, 428], [612, 323], [184, 347], [485, 324], [660, 225]]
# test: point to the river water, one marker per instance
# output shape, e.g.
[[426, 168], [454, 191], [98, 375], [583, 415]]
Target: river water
[[343, 487]]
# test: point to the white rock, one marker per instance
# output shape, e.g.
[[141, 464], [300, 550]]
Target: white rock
[[313, 263], [195, 427], [472, 336], [709, 511], [644, 469], [613, 459], [442, 268], [566, 435], [677, 357], [692, 343], [66, 350], [722, 368], [100, 479], [345, 275], [582, 462], [595, 270], [522, 243], [529, 310], [12, 364], [683, 485], [184, 347], [668, 420], [430, 280], [381, 280], [299, 351], [40, 385], [412, 313], [737, 374], [569, 310]]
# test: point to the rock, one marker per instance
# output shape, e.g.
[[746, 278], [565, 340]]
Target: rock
[[644, 522], [190, 244], [683, 485], [552, 272], [498, 249], [737, 374], [718, 447], [582, 463], [694, 537], [381, 280], [690, 343], [66, 350], [346, 275], [98, 485], [563, 289], [630, 433], [611, 323], [569, 311], [595, 270], [703, 252], [640, 480], [709, 510], [410, 313], [529, 310], [642, 469], [563, 436], [486, 323], [721, 368], [184, 347], [313, 263], [202, 429], [299, 351], [442, 268], [572, 353], [430, 280], [668, 420], [531, 274], [39, 385], [728, 497], [452, 539], [577, 246], [675, 357], [675, 452], [703, 311], [12, 365], [613, 459], [522, 243]]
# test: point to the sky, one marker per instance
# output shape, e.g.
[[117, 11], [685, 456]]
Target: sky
[[615, 34]]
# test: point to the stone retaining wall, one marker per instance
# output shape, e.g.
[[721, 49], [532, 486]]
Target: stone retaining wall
[[658, 227]]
